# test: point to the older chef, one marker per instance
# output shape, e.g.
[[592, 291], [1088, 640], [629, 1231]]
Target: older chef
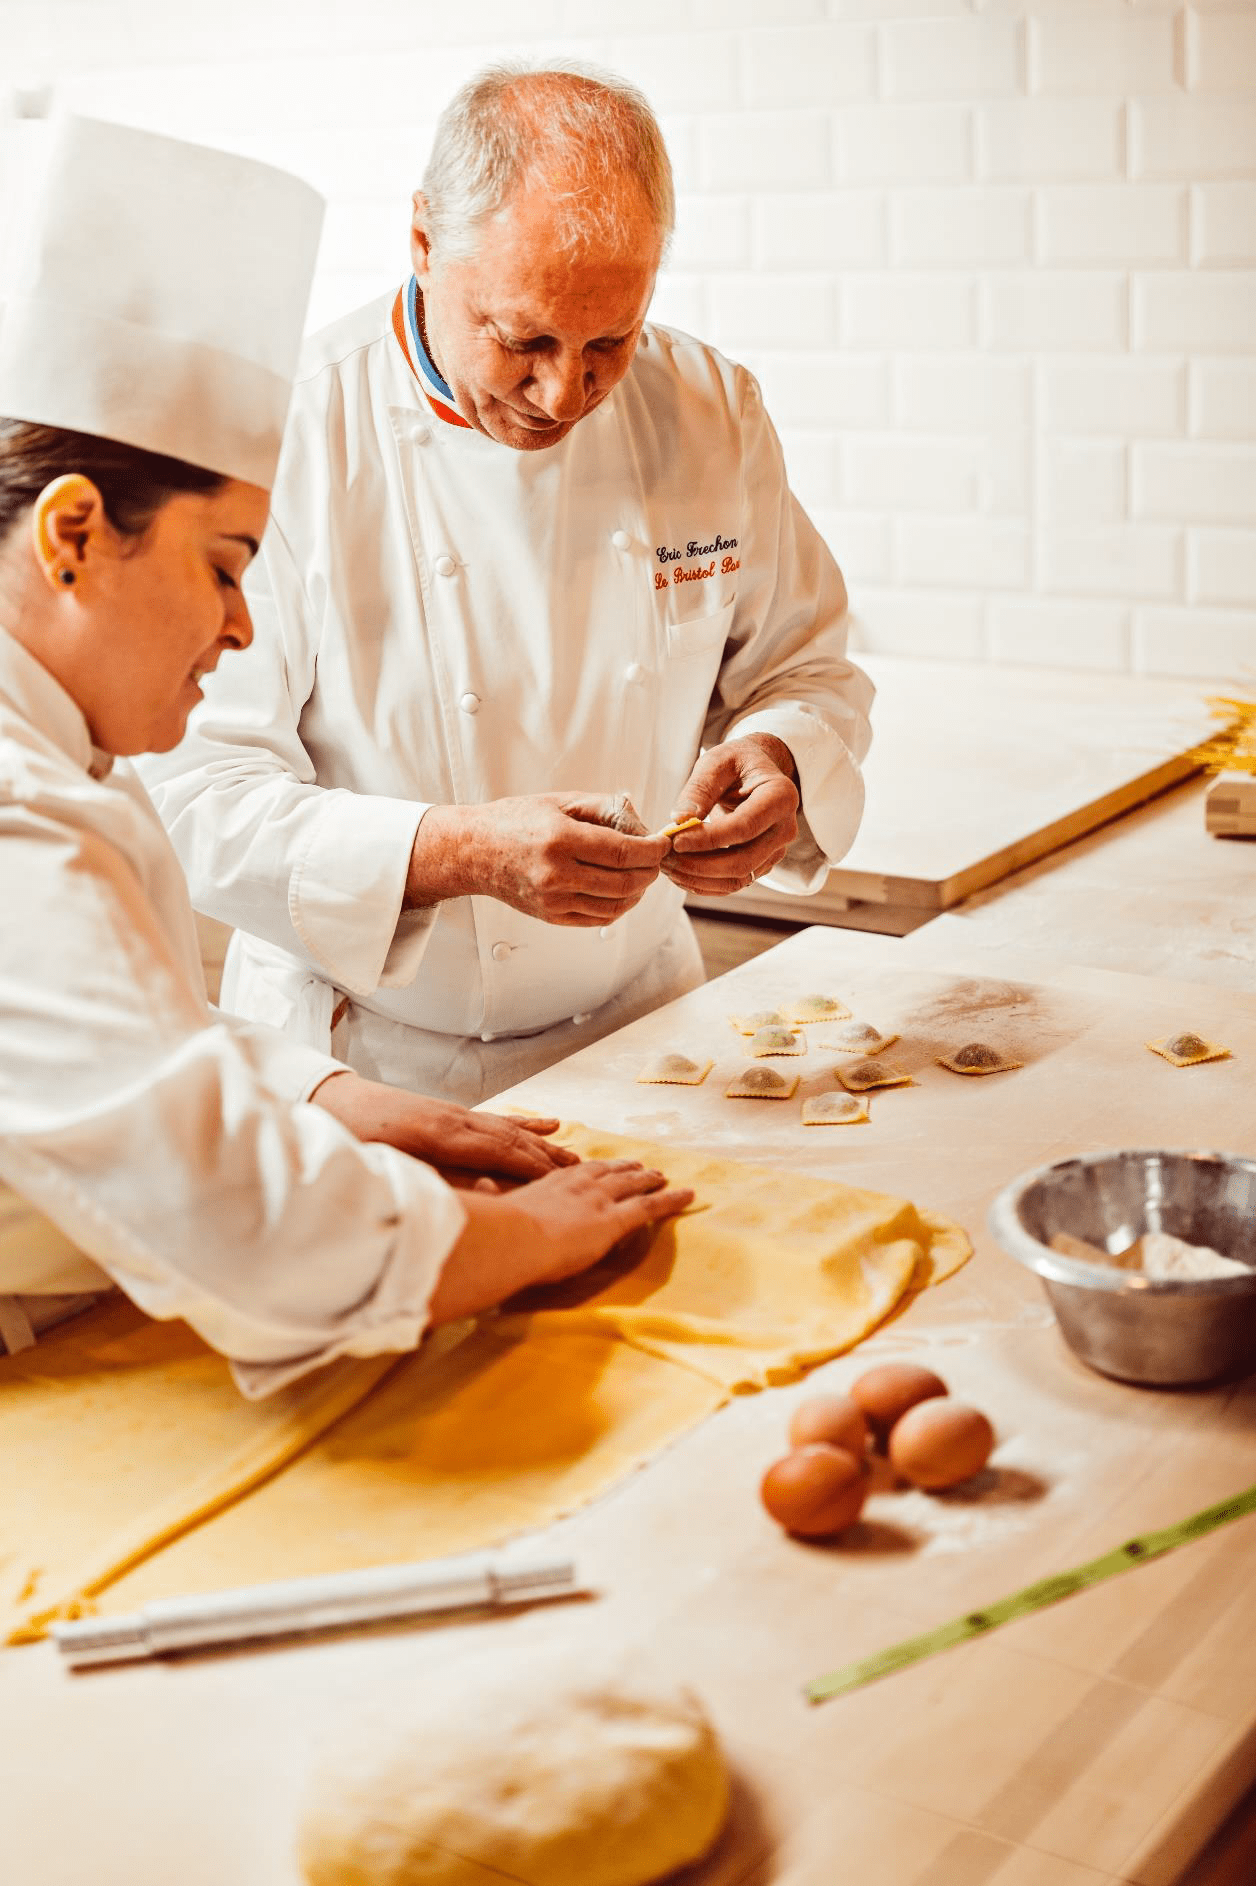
[[528, 556], [143, 1139]]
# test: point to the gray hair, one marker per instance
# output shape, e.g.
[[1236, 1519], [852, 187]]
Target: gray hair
[[514, 122]]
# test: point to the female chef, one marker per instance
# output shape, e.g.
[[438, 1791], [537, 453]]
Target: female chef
[[145, 361]]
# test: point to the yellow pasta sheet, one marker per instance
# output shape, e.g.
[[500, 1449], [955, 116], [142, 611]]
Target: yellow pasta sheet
[[767, 1274], [135, 1470]]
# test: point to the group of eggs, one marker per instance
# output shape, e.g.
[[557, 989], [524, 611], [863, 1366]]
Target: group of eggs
[[905, 1411]]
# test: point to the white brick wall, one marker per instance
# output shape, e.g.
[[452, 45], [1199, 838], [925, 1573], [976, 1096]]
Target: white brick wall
[[1084, 481], [1224, 222], [994, 261], [1109, 53], [1223, 399]]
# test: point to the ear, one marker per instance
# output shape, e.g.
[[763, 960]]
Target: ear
[[420, 237], [68, 524]]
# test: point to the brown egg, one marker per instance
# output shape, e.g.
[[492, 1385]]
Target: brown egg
[[886, 1393], [833, 1418], [816, 1490], [939, 1443]]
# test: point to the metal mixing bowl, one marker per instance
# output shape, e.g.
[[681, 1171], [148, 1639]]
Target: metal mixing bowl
[[1119, 1322]]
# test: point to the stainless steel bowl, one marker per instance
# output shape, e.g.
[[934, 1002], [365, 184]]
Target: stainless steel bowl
[[1136, 1328]]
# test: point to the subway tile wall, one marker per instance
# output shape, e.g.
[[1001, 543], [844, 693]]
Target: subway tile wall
[[994, 261]]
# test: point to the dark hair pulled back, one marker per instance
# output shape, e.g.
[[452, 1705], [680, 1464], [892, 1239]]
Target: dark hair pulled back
[[133, 484]]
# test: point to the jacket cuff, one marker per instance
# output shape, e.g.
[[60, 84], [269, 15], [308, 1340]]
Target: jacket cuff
[[347, 886], [831, 789], [395, 1320], [289, 1067]]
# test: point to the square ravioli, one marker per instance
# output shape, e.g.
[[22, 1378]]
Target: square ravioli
[[862, 1075], [761, 1018], [816, 1008], [775, 1041], [762, 1083], [834, 1110], [856, 1038], [1188, 1050], [977, 1057], [675, 1070]]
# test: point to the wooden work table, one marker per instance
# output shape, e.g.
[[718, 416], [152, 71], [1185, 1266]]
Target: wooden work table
[[1101, 1740]]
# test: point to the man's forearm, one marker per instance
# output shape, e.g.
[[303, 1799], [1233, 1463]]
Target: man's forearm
[[441, 858]]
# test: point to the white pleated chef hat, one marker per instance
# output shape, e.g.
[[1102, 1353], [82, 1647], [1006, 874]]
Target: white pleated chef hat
[[155, 293]]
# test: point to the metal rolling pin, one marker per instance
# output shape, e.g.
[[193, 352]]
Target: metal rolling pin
[[336, 1601]]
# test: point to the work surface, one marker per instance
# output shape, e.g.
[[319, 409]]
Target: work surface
[[978, 769], [1100, 1740]]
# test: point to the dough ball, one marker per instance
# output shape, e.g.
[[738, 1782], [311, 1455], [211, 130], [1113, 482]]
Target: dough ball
[[541, 1770]]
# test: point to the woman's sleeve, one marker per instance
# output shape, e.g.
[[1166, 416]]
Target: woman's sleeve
[[161, 1141]]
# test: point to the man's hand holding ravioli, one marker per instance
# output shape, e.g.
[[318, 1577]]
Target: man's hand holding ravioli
[[568, 858], [745, 792]]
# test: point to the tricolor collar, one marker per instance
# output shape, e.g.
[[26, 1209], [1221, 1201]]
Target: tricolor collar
[[410, 340]]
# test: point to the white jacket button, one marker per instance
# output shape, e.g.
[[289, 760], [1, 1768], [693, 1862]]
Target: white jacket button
[[420, 435], [577, 1019], [500, 952], [488, 1035], [606, 931], [621, 540], [445, 566], [634, 671], [469, 703]]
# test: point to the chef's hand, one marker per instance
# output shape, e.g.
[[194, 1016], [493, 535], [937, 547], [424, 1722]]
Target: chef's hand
[[442, 1134], [567, 858], [746, 793], [555, 1228]]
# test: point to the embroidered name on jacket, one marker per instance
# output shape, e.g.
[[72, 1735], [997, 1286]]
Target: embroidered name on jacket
[[693, 548], [718, 551]]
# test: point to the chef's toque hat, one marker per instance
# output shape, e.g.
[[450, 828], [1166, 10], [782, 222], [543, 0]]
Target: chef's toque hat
[[156, 294]]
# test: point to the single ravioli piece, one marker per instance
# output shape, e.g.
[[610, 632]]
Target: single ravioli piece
[[761, 1083], [978, 1057], [675, 1070], [816, 1008], [1188, 1050], [856, 1038], [834, 1110], [683, 825], [776, 1041], [860, 1076], [761, 1018]]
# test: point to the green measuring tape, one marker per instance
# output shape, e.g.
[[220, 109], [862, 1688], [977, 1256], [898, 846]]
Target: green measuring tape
[[1149, 1545]]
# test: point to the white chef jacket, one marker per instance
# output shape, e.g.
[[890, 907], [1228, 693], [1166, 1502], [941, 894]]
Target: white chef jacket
[[168, 1143], [445, 620]]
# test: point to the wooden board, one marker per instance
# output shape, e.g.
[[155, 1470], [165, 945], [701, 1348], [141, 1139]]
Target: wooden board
[[1100, 1741], [977, 770], [1157, 894]]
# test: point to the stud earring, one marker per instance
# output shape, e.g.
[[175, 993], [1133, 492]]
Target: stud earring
[[66, 577]]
